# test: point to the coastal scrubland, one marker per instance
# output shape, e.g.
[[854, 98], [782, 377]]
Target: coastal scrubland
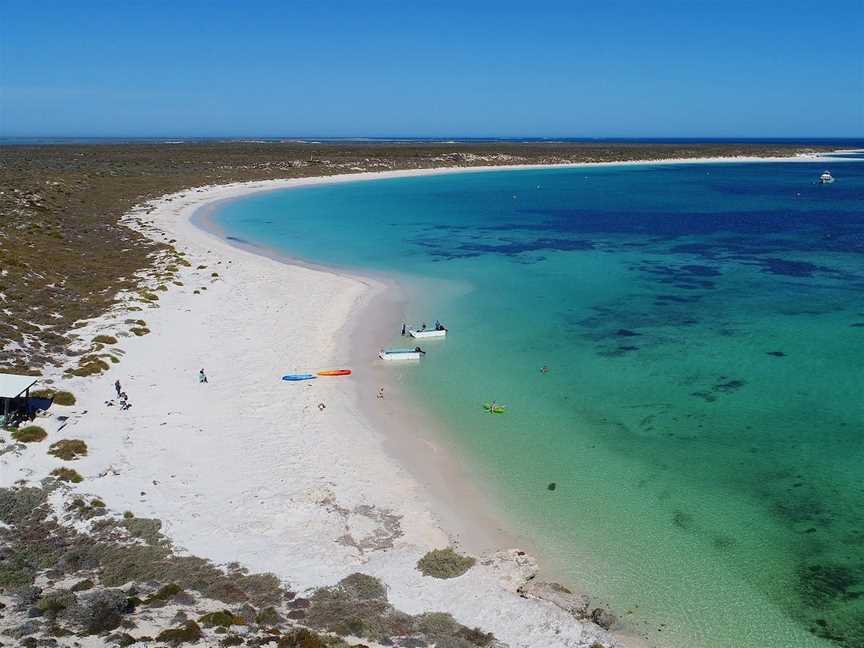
[[120, 581]]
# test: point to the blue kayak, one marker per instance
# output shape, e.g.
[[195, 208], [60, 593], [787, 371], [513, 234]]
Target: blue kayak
[[293, 377]]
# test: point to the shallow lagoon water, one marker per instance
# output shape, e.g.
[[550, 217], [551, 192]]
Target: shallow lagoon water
[[703, 413]]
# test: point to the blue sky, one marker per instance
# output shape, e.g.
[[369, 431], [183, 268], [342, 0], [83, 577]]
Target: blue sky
[[583, 69]]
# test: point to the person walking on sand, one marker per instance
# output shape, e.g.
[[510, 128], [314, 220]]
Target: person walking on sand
[[403, 329], [118, 388], [202, 377]]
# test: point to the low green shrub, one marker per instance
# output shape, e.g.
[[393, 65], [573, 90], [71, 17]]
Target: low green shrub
[[29, 434], [82, 585], [139, 330], [222, 619], [60, 397], [90, 366], [146, 529], [165, 593], [444, 563], [105, 339], [301, 638], [64, 398], [67, 475], [68, 449], [188, 633]]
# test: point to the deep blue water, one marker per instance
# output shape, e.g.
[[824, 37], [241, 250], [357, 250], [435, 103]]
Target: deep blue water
[[703, 413]]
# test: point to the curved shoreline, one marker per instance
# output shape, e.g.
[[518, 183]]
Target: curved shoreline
[[247, 468], [463, 522], [471, 520], [357, 493]]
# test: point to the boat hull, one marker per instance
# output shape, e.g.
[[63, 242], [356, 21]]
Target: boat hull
[[425, 335], [400, 355]]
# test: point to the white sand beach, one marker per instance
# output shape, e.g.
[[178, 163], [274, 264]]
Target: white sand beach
[[248, 468]]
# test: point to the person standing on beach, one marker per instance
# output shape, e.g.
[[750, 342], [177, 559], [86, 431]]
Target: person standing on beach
[[118, 388], [202, 377], [403, 329]]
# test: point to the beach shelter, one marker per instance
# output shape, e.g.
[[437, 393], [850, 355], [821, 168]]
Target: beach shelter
[[12, 389]]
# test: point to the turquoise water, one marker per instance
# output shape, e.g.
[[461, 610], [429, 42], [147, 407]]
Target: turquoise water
[[703, 413]]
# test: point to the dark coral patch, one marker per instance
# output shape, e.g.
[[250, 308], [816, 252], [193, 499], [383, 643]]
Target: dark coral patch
[[820, 585], [789, 268], [729, 386], [682, 520]]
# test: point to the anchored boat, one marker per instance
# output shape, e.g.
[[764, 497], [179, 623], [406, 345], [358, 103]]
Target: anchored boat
[[402, 354], [423, 334], [826, 178]]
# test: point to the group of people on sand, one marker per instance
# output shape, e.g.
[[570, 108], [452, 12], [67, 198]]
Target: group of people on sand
[[122, 397]]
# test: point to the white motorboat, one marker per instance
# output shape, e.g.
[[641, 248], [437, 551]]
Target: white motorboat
[[422, 334], [826, 178], [401, 354]]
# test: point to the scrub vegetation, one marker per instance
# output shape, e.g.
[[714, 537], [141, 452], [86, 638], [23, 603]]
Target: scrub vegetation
[[68, 449], [67, 475], [119, 580], [60, 397], [29, 434], [444, 563]]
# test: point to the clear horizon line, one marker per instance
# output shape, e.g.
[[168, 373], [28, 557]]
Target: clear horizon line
[[449, 137]]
